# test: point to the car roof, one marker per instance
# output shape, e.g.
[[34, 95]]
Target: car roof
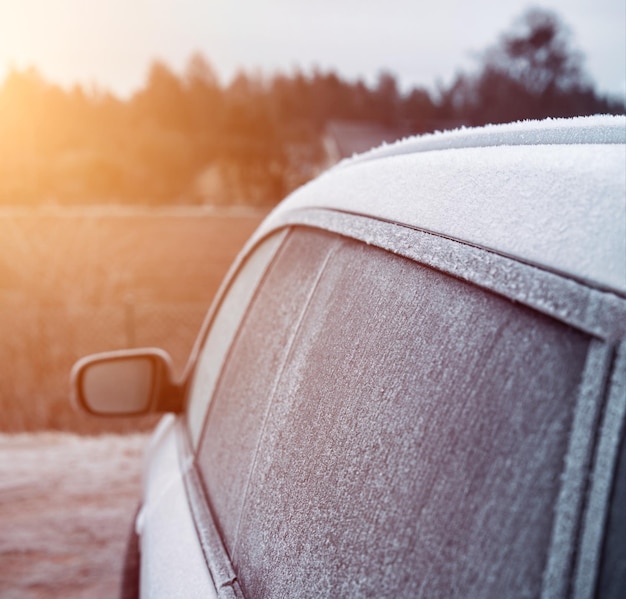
[[550, 193]]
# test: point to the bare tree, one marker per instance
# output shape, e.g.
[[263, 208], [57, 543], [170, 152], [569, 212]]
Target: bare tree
[[533, 71], [538, 54]]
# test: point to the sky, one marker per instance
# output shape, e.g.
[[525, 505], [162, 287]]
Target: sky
[[110, 44]]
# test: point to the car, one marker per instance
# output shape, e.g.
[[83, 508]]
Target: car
[[412, 383]]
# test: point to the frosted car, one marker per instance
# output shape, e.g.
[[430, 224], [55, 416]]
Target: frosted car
[[411, 384]]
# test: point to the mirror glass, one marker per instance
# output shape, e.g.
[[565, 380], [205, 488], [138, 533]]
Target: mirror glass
[[119, 386]]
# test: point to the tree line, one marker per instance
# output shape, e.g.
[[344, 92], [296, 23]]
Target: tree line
[[188, 138]]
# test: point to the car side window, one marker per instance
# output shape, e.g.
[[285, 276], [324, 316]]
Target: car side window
[[223, 328], [383, 429], [251, 372]]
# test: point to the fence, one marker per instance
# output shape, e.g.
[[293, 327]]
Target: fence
[[40, 342]]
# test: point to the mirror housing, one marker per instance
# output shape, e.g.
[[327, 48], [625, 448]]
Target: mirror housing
[[130, 382]]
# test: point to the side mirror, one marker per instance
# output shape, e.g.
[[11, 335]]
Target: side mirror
[[126, 383]]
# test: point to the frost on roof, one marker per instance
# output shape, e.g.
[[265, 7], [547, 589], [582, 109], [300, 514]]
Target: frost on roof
[[552, 194], [599, 129]]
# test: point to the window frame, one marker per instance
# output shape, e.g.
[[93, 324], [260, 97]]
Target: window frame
[[597, 312]]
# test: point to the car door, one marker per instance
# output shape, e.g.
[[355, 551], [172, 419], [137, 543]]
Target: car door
[[381, 427]]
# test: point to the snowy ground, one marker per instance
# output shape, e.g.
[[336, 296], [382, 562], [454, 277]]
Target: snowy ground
[[66, 506]]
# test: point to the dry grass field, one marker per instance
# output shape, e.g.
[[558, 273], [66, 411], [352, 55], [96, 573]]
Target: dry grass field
[[79, 281]]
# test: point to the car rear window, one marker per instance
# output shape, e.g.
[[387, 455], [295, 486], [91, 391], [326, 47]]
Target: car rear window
[[383, 429]]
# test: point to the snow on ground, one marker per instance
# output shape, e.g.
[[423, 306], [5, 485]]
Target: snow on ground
[[66, 507]]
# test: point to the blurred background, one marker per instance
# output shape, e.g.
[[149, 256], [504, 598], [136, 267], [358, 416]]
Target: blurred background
[[142, 142], [221, 103]]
